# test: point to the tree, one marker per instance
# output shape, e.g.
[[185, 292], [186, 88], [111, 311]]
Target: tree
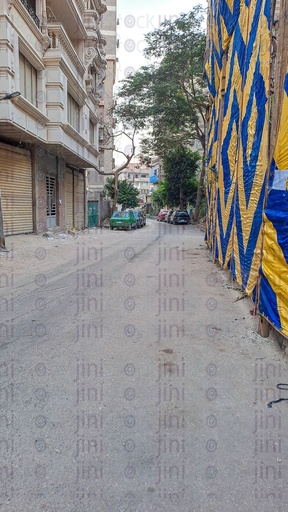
[[127, 126], [159, 197], [169, 96], [180, 166], [120, 121], [126, 193]]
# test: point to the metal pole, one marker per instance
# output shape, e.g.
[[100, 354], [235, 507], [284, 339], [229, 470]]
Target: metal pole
[[2, 237]]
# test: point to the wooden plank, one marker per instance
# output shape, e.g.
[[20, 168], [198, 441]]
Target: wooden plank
[[263, 327]]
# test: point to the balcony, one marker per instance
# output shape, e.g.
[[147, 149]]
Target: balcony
[[62, 45], [70, 13], [31, 12]]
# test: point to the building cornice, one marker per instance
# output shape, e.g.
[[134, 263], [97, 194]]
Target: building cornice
[[67, 128], [27, 107], [91, 148], [81, 6], [29, 52]]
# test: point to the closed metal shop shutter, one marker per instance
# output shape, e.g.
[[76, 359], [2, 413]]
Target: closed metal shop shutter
[[16, 190], [69, 199], [79, 200]]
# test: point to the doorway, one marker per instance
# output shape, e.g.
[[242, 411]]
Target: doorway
[[51, 201], [92, 214]]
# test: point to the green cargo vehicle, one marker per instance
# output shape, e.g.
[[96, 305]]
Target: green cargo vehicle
[[123, 220]]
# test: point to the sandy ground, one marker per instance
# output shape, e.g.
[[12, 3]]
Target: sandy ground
[[132, 379]]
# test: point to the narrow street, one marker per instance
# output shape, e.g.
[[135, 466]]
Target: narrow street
[[133, 380]]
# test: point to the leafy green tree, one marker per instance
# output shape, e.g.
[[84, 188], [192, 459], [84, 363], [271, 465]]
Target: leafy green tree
[[169, 95], [180, 166], [127, 193], [159, 197], [191, 190]]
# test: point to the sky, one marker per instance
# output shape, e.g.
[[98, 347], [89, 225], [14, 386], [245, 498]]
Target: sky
[[137, 18]]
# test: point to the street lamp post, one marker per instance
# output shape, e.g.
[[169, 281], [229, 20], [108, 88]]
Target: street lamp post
[[9, 96]]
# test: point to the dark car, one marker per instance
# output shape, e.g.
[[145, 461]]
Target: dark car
[[139, 219], [179, 217], [168, 216], [142, 213]]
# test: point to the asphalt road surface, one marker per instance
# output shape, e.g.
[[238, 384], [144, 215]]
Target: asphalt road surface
[[133, 380]]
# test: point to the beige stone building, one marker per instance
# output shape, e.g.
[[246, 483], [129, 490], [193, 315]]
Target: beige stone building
[[53, 52], [95, 181]]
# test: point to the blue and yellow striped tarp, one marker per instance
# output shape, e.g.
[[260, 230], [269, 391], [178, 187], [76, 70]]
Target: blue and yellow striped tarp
[[239, 234], [273, 302]]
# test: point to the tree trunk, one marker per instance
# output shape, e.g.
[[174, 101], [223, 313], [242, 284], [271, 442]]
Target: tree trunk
[[181, 199], [2, 237], [200, 191], [115, 200]]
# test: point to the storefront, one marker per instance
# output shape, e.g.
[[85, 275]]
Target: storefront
[[16, 189], [74, 199]]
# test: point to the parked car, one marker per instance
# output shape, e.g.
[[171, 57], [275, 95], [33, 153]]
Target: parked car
[[123, 220], [161, 215], [180, 217], [168, 216], [139, 218], [142, 213]]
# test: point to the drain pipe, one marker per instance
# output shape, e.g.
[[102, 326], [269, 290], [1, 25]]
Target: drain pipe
[[73, 198]]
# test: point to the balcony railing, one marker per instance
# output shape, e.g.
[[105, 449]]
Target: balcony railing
[[60, 41], [31, 12]]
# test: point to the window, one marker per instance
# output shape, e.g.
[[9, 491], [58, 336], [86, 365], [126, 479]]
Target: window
[[73, 113], [101, 134], [30, 5], [33, 4], [91, 132], [28, 80]]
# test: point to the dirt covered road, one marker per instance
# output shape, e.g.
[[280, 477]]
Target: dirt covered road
[[132, 379]]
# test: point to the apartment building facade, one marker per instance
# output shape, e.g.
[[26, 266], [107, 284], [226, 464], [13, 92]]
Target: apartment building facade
[[139, 176], [96, 181], [53, 53]]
